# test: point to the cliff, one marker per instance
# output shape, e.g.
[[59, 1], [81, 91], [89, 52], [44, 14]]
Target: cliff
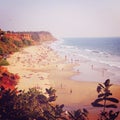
[[45, 36], [12, 41], [41, 36]]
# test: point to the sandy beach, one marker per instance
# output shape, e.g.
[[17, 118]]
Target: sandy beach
[[39, 66]]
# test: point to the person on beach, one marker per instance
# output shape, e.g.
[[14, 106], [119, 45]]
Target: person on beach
[[61, 85], [78, 71], [92, 67], [71, 60], [65, 57], [70, 91]]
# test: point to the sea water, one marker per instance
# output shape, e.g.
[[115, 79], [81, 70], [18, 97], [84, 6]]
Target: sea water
[[101, 52]]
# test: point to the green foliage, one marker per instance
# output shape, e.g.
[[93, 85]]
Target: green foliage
[[17, 43], [4, 62], [4, 39], [10, 44], [104, 96], [22, 43], [51, 92], [26, 42], [1, 51], [8, 47], [79, 114], [8, 107], [20, 105], [33, 105]]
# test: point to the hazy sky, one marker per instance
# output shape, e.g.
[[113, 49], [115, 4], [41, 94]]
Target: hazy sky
[[65, 18]]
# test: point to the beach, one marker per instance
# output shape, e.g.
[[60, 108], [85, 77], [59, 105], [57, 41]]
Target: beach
[[40, 67]]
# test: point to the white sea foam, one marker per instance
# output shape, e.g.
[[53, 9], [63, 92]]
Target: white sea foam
[[93, 55], [112, 62]]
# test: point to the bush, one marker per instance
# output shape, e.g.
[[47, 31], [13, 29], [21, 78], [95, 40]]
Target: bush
[[105, 100], [8, 80], [26, 42], [31, 105], [18, 43], [5, 39], [1, 51], [4, 62]]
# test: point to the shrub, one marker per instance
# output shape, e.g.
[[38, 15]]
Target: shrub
[[26, 42], [18, 43], [5, 39], [31, 105], [1, 51], [8, 80], [106, 101], [4, 62]]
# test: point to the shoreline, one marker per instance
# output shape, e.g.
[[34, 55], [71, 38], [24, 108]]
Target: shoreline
[[39, 66], [97, 61]]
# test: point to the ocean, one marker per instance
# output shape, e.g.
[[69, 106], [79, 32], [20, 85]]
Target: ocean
[[101, 52]]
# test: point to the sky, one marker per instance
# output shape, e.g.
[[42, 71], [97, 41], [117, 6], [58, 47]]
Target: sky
[[63, 18]]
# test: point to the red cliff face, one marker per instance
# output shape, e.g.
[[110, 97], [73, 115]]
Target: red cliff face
[[37, 36], [18, 36], [30, 36], [11, 41]]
